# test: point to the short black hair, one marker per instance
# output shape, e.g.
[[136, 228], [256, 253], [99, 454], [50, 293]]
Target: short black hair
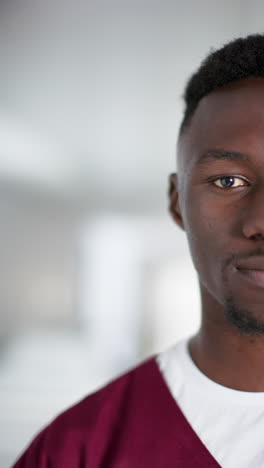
[[236, 60]]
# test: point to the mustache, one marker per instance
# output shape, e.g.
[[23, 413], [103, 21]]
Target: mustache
[[236, 257]]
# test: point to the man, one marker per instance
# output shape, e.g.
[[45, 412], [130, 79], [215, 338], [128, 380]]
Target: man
[[201, 403]]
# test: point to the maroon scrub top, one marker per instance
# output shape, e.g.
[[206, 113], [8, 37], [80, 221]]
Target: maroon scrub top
[[133, 422]]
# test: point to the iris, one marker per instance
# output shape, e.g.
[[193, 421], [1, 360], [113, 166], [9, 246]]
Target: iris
[[227, 181]]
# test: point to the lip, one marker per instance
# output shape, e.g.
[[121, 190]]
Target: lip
[[255, 263], [256, 277], [252, 270]]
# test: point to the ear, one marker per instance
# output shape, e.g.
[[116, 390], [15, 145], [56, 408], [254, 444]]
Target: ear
[[174, 207]]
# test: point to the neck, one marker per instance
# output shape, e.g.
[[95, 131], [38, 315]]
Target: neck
[[224, 355]]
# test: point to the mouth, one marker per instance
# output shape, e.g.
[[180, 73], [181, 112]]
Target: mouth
[[254, 276], [251, 269]]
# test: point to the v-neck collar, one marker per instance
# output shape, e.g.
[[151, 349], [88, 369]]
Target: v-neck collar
[[174, 430]]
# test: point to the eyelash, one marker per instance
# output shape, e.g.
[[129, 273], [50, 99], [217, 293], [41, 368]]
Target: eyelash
[[242, 179]]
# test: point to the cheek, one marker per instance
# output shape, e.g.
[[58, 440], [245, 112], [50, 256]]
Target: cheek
[[208, 238], [213, 225]]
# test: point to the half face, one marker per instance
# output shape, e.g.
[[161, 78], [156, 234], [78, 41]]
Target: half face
[[219, 197]]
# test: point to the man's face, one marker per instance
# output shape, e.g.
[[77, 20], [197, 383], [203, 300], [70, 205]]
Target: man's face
[[219, 199]]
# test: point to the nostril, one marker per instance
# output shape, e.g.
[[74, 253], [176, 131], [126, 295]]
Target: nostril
[[257, 237]]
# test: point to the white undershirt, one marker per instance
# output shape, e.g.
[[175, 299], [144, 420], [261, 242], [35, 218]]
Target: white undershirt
[[229, 422]]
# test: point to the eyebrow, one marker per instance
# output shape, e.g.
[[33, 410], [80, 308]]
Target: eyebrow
[[216, 154]]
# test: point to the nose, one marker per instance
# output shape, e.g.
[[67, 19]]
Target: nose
[[253, 223]]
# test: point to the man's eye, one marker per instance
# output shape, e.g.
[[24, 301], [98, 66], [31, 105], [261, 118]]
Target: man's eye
[[229, 182]]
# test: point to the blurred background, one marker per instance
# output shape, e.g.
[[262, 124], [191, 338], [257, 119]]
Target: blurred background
[[94, 276]]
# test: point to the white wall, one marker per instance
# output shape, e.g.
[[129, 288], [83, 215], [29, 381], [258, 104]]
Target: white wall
[[93, 275]]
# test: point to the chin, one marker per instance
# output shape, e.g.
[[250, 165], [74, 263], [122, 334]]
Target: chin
[[245, 321]]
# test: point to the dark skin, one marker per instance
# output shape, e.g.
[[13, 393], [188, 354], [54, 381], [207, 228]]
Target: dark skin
[[217, 197]]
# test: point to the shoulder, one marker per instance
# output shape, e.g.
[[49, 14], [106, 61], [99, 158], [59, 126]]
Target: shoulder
[[105, 402], [89, 424]]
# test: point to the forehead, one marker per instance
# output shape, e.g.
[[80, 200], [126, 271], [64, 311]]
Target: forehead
[[230, 118]]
